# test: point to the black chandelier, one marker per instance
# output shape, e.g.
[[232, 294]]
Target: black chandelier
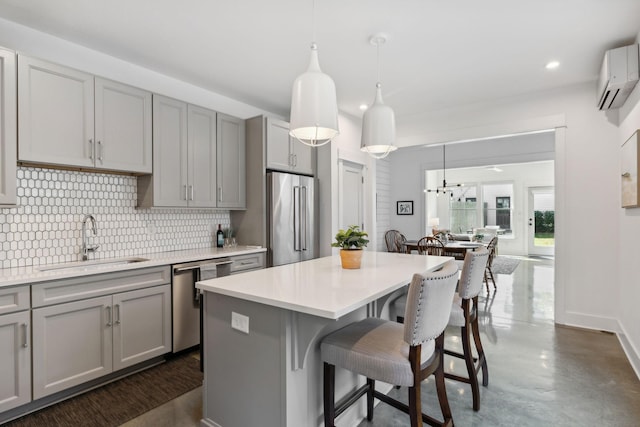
[[444, 189]]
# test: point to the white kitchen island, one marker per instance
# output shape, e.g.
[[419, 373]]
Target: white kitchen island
[[272, 375]]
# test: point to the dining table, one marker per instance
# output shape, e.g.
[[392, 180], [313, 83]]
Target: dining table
[[455, 248]]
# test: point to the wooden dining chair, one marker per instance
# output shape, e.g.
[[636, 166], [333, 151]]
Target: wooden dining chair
[[430, 245], [488, 273], [394, 241], [403, 355]]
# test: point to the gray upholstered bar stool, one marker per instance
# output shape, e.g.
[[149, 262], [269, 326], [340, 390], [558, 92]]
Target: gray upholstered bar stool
[[402, 355], [464, 314]]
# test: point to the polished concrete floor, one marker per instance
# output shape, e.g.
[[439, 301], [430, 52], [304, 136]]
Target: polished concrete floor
[[539, 373]]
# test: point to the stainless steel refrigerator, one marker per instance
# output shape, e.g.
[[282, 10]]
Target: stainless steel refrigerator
[[292, 222]]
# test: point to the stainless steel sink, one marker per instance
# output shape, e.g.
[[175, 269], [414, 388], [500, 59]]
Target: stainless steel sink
[[90, 265]]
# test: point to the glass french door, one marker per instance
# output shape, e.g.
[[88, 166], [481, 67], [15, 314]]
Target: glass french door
[[541, 221]]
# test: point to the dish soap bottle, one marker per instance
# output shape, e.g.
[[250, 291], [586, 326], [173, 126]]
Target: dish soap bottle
[[219, 237]]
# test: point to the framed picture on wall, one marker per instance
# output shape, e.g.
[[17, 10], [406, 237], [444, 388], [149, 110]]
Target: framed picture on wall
[[404, 207]]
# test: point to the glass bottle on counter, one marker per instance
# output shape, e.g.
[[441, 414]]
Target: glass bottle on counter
[[219, 237]]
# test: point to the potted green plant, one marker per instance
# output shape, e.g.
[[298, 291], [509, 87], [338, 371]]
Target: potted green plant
[[351, 242]]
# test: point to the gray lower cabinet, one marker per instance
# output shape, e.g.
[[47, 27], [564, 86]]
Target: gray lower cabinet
[[15, 347], [87, 327], [244, 263]]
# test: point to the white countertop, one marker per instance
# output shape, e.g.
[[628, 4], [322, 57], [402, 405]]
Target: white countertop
[[321, 287], [29, 275]]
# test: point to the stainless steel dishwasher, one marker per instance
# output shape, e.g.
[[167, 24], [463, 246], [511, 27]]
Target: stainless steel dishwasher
[[186, 301]]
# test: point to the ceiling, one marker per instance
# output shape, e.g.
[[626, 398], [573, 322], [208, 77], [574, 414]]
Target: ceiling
[[439, 54]]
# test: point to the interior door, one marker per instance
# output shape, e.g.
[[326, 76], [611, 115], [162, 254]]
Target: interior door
[[541, 221]]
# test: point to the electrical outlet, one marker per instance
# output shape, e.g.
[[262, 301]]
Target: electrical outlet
[[240, 322]]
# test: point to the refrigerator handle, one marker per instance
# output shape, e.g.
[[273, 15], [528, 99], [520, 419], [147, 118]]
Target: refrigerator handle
[[296, 218], [303, 217]]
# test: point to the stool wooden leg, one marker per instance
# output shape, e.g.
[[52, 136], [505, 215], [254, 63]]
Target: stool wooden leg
[[329, 394], [482, 361], [440, 384], [415, 402], [372, 386]]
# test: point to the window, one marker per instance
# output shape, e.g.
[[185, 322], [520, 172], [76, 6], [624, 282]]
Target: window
[[481, 205], [496, 209], [463, 209]]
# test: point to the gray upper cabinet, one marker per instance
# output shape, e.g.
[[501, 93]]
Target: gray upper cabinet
[[122, 127], [168, 184], [285, 153], [199, 158], [70, 118], [8, 128], [231, 171], [202, 157]]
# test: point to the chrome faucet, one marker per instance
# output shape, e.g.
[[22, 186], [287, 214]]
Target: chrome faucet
[[86, 248]]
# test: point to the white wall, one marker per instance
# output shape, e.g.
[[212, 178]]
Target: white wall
[[587, 188], [629, 251]]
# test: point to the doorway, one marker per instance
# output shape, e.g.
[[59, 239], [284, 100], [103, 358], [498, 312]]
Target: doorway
[[541, 221], [351, 193]]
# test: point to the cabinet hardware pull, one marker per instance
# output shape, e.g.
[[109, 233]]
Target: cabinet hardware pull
[[295, 160], [219, 194], [191, 191], [91, 148], [25, 330], [117, 314], [626, 175], [109, 321], [186, 194], [100, 151]]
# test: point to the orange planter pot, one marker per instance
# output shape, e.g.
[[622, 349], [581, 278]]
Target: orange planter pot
[[351, 258]]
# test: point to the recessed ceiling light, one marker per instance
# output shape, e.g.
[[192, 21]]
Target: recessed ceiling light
[[552, 65], [363, 107]]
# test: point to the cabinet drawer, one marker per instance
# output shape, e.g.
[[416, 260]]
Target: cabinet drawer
[[244, 263], [14, 299], [77, 288]]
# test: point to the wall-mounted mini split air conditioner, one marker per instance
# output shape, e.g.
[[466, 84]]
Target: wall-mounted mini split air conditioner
[[618, 76]]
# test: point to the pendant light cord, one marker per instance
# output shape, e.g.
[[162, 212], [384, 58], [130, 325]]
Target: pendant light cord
[[313, 21], [378, 61]]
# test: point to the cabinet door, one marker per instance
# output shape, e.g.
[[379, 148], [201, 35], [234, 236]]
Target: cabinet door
[[123, 127], [278, 145], [303, 157], [202, 157], [15, 360], [231, 162], [169, 152], [8, 127], [55, 114], [72, 344], [141, 325]]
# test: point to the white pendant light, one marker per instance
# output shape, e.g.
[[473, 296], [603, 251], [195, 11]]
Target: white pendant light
[[378, 122], [314, 106]]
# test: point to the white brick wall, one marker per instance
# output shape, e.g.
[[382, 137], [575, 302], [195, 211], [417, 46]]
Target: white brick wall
[[46, 226]]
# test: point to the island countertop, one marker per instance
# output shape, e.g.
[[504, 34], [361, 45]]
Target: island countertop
[[321, 287]]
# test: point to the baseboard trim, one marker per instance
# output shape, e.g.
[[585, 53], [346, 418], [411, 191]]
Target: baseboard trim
[[587, 321], [629, 349]]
